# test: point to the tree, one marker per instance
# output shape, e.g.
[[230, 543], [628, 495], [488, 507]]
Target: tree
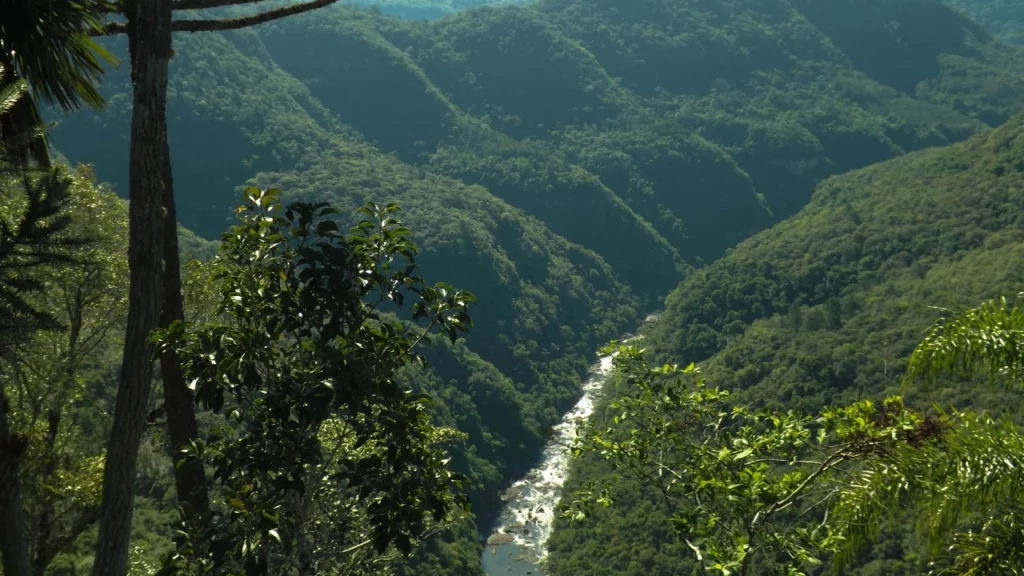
[[976, 474], [745, 488], [323, 461], [44, 372], [155, 299], [48, 45], [30, 239]]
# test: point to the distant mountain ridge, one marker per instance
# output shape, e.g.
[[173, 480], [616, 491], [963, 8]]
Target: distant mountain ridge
[[1004, 18], [427, 9], [569, 161]]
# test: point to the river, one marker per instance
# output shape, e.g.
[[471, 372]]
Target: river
[[518, 539]]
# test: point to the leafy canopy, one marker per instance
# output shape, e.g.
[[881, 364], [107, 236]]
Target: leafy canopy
[[321, 459], [743, 484]]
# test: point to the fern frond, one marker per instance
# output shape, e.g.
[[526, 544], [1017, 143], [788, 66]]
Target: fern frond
[[986, 340]]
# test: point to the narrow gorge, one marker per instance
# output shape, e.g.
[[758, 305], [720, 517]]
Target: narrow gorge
[[519, 540]]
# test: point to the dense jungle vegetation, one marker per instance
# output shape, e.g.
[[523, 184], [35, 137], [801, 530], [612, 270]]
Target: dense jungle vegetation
[[824, 309], [804, 179]]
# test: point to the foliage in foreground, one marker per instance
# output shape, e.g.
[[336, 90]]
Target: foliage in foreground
[[746, 488], [62, 298], [322, 461], [966, 489], [769, 492]]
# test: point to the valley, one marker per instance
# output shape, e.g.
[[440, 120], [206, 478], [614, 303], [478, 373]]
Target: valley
[[795, 183]]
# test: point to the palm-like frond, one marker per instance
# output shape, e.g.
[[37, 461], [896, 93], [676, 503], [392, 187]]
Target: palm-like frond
[[10, 92], [47, 43], [976, 468], [32, 239], [987, 340], [996, 549]]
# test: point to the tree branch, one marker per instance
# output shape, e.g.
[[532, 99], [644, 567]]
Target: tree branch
[[247, 21], [187, 25], [829, 463]]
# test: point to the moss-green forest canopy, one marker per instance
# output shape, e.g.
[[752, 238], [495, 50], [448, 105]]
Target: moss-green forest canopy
[[571, 161], [825, 308]]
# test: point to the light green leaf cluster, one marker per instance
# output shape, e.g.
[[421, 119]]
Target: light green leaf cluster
[[743, 484]]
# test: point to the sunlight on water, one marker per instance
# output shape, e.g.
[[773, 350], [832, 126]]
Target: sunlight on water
[[529, 514], [517, 542]]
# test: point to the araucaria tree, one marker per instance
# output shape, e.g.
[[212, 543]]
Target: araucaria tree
[[322, 460], [80, 289], [155, 286], [30, 239]]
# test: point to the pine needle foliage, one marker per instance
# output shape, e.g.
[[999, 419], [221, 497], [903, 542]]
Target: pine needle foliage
[[34, 219]]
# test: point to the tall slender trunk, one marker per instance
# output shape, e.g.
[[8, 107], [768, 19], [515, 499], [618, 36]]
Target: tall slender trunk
[[190, 478], [151, 48], [14, 543]]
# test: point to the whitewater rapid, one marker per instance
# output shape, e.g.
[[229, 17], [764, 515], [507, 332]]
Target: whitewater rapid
[[518, 541]]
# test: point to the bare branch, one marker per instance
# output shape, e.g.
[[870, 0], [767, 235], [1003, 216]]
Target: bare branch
[[247, 21]]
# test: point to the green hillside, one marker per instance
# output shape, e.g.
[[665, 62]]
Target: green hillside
[[1004, 18], [824, 309], [774, 92], [568, 161]]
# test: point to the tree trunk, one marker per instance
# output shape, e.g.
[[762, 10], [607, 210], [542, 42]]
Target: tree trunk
[[179, 404], [14, 543], [151, 53]]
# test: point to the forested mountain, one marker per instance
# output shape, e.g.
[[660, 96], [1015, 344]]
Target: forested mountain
[[1004, 18], [428, 9], [568, 161], [825, 308], [765, 97]]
